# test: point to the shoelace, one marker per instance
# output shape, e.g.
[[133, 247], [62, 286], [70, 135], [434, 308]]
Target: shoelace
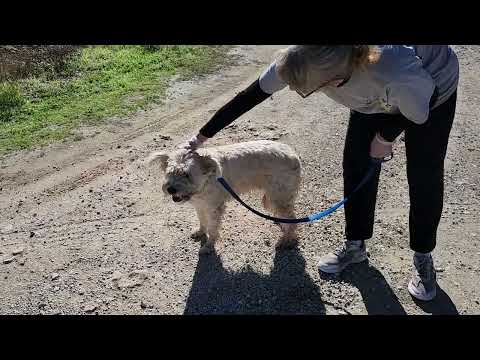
[[344, 249], [341, 251]]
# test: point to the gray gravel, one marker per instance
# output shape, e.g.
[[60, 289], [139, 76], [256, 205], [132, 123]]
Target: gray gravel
[[85, 228]]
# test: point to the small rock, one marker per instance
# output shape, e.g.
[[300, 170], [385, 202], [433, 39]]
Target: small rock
[[90, 308], [8, 260], [21, 262], [17, 251], [54, 276], [143, 305], [32, 234], [108, 300], [117, 275]]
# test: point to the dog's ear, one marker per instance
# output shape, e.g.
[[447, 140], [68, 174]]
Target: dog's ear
[[158, 157], [208, 164]]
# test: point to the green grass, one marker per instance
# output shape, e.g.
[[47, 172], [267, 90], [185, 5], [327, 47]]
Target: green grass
[[97, 83]]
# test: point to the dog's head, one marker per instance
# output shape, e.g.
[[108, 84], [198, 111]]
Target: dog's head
[[186, 172]]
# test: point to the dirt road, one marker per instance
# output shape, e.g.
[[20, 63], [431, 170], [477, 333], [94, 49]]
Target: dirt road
[[85, 229]]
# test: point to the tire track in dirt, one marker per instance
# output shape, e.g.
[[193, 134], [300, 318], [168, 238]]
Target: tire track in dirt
[[119, 246]]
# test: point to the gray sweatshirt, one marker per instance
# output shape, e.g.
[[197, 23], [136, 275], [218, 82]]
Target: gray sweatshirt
[[402, 81]]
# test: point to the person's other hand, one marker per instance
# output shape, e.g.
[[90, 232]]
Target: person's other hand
[[380, 148]]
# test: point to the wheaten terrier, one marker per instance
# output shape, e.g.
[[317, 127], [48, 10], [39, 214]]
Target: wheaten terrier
[[270, 167]]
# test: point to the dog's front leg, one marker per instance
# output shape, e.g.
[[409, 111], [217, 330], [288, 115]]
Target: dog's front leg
[[214, 220], [203, 221]]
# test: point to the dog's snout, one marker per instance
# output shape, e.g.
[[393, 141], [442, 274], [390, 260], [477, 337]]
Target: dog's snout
[[171, 190]]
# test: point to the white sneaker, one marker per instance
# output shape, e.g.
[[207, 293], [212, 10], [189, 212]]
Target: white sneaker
[[349, 253], [423, 285]]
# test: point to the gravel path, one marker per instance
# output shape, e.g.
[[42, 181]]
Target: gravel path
[[85, 229]]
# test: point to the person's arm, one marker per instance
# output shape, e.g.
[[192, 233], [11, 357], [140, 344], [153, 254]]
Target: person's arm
[[240, 104], [257, 92], [414, 105], [393, 127]]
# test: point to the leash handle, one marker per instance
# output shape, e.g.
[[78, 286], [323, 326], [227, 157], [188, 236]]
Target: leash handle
[[382, 160]]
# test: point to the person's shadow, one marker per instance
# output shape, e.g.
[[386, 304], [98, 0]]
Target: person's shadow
[[441, 305], [288, 289], [379, 298], [377, 295]]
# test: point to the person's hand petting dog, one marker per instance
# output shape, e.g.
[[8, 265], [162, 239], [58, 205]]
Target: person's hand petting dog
[[194, 143]]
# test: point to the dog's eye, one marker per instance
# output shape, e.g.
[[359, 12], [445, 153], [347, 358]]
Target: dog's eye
[[187, 175]]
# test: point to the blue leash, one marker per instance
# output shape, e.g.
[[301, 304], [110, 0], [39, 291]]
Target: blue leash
[[374, 165]]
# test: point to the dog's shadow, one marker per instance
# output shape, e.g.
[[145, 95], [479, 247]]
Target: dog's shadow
[[288, 289]]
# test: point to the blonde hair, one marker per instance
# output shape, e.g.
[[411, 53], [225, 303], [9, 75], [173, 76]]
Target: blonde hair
[[306, 66]]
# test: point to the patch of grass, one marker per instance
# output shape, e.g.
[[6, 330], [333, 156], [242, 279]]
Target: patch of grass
[[11, 101], [96, 83]]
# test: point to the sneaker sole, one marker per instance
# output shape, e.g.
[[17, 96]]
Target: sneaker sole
[[419, 296], [336, 270]]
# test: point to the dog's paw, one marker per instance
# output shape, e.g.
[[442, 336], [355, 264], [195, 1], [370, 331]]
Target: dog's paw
[[286, 243], [206, 249], [198, 235]]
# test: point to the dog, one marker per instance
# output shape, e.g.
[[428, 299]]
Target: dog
[[270, 167]]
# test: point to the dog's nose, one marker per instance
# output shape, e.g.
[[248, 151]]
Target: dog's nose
[[171, 190]]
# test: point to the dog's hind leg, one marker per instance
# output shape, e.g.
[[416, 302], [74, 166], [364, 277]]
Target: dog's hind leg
[[289, 237], [215, 216], [267, 205]]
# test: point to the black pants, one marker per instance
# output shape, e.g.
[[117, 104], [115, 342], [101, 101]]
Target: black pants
[[426, 147]]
